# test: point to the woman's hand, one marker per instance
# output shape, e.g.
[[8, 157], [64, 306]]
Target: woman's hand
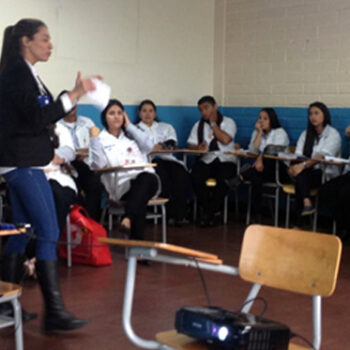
[[258, 126], [347, 131], [82, 86], [296, 169], [127, 121], [202, 146], [94, 131], [57, 160], [157, 147], [259, 164]]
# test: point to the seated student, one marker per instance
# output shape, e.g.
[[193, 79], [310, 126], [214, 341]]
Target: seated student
[[268, 132], [122, 143], [318, 140], [335, 194], [87, 181], [172, 172], [62, 184], [213, 133]]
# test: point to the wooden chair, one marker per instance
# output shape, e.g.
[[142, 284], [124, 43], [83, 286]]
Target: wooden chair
[[117, 208], [10, 293], [292, 260]]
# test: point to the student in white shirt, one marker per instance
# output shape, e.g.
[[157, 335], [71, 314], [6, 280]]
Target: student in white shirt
[[89, 183], [63, 186], [335, 194], [172, 172], [317, 141], [213, 133], [122, 143], [268, 132]]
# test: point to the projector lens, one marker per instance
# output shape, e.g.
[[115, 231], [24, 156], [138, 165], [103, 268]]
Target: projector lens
[[222, 333]]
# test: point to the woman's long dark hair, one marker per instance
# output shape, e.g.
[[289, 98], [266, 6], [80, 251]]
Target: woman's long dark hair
[[11, 45], [311, 133], [112, 102], [274, 122], [146, 102]]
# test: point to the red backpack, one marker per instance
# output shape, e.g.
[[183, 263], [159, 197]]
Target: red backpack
[[85, 231]]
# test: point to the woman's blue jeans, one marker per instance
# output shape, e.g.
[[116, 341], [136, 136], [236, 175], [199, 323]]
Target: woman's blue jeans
[[32, 202]]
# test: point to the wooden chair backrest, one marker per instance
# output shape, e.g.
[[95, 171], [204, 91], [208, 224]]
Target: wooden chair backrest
[[293, 260]]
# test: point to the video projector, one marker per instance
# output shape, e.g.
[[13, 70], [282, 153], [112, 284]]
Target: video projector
[[223, 329]]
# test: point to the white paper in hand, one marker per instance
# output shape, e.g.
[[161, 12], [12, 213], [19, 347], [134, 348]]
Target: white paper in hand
[[101, 95]]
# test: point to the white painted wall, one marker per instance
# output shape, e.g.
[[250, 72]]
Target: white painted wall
[[287, 52], [158, 49]]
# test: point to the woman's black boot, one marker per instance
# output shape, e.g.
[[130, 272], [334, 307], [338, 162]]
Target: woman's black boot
[[57, 318]]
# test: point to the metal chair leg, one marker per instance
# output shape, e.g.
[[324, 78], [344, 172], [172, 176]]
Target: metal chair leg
[[225, 209], [164, 233], [334, 227], [69, 241], [287, 210], [249, 205], [314, 223], [277, 197], [17, 311]]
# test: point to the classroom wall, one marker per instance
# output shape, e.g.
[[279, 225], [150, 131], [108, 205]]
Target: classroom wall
[[162, 49], [287, 52]]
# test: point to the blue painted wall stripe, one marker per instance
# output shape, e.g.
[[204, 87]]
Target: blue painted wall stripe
[[293, 119]]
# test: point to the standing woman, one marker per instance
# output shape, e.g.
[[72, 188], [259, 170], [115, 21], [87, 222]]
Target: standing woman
[[320, 139], [268, 132], [172, 172], [26, 142]]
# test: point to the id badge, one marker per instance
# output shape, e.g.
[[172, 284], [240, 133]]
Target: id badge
[[44, 100]]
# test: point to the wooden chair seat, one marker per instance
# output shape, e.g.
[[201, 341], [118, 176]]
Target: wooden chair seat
[[297, 347], [7, 289], [153, 201], [290, 189], [210, 182]]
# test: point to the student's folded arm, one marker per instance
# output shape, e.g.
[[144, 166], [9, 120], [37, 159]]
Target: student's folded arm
[[143, 140], [66, 152]]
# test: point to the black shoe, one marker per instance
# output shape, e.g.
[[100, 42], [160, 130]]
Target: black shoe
[[143, 262], [6, 309], [308, 210], [215, 220], [234, 182], [57, 318], [181, 222], [125, 231]]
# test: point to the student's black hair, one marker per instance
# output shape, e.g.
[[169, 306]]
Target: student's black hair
[[208, 99], [11, 44], [146, 102], [112, 102], [274, 122], [311, 134]]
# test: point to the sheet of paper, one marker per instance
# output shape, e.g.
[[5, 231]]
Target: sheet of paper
[[101, 95]]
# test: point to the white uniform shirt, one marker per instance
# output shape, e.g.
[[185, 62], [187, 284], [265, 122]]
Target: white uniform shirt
[[161, 132], [80, 132], [277, 137], [229, 126], [329, 144], [54, 171], [107, 150]]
